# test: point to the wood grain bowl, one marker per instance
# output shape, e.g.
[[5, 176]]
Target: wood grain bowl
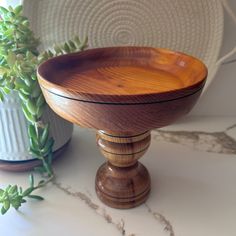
[[124, 92], [121, 89]]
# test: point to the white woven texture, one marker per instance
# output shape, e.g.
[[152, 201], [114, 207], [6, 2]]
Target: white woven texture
[[191, 26]]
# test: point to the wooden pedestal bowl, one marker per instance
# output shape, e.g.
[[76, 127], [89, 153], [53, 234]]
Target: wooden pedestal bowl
[[123, 92]]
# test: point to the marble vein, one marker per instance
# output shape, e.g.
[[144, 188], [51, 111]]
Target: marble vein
[[120, 225], [161, 219], [216, 142], [231, 127]]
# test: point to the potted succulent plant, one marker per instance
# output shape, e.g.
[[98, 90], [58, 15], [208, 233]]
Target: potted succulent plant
[[19, 87]]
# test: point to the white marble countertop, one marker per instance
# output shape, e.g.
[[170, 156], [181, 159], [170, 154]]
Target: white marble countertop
[[193, 169]]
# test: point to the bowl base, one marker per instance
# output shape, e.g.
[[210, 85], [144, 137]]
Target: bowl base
[[122, 188]]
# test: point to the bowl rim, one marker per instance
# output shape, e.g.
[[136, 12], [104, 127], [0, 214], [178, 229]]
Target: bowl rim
[[131, 99]]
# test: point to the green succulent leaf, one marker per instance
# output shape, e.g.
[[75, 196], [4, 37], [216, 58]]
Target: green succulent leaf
[[18, 9], [28, 115], [77, 41], [31, 180], [44, 136], [37, 92], [40, 101], [34, 146], [48, 146], [20, 190], [32, 132], [16, 203], [7, 189], [36, 197], [35, 152], [66, 48], [1, 96], [23, 96], [19, 59], [57, 49], [50, 54], [72, 45], [28, 191], [3, 210], [25, 91], [6, 204], [39, 111], [3, 11], [50, 157], [1, 192], [41, 182], [6, 90], [10, 8], [11, 58], [31, 107], [28, 82], [13, 189], [23, 200]]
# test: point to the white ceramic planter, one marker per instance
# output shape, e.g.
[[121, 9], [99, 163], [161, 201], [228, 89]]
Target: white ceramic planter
[[14, 141]]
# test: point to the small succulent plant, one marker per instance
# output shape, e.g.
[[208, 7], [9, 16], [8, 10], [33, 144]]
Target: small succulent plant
[[19, 59]]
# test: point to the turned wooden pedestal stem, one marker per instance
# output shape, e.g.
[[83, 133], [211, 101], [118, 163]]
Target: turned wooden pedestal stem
[[123, 182]]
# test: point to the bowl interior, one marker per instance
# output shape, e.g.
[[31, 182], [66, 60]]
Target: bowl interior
[[123, 71]]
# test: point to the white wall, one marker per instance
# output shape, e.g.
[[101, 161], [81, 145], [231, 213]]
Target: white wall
[[220, 98]]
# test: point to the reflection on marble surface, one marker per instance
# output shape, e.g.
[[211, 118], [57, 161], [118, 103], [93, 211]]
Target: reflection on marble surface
[[193, 174]]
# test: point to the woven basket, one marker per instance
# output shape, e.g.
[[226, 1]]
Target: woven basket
[[191, 26]]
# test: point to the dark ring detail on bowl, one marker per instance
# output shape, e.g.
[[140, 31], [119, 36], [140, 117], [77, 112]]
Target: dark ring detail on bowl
[[128, 103]]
